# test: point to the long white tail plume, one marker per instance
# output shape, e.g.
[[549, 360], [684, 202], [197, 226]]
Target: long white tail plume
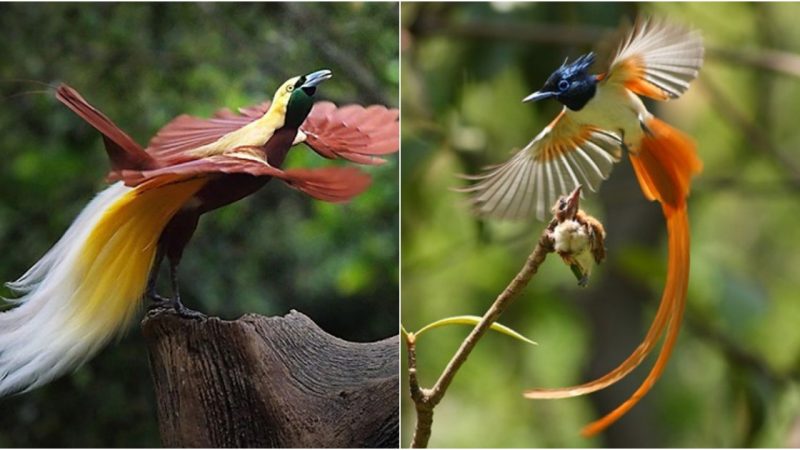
[[87, 287]]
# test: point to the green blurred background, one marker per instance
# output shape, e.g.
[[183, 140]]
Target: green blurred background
[[143, 64], [733, 379]]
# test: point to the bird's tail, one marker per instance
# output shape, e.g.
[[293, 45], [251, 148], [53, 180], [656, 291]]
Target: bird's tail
[[88, 286], [664, 166], [673, 303]]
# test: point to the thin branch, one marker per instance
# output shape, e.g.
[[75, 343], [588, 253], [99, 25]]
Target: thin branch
[[749, 189], [737, 355], [422, 432], [540, 33], [749, 130], [426, 400], [763, 58], [361, 75], [535, 259], [588, 35]]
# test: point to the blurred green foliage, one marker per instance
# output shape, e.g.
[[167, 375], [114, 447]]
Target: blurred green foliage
[[733, 379], [143, 64]]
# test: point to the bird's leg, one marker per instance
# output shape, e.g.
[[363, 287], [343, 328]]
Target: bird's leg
[[175, 303], [625, 147], [150, 291], [158, 301]]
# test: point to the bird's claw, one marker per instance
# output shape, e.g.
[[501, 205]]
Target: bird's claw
[[158, 301]]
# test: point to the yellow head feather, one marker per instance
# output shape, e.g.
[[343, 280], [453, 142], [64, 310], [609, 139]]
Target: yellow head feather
[[259, 131], [281, 98]]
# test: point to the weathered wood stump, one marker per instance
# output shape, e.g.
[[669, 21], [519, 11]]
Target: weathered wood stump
[[270, 382]]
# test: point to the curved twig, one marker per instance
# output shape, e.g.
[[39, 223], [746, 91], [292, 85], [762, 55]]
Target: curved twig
[[425, 400]]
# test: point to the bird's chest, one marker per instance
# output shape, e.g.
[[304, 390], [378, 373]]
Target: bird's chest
[[225, 190], [228, 188], [615, 110]]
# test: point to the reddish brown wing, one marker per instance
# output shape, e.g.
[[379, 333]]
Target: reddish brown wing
[[331, 184], [187, 132], [122, 150], [352, 132]]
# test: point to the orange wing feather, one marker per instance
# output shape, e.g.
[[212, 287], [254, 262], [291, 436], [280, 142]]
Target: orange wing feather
[[657, 60], [564, 155]]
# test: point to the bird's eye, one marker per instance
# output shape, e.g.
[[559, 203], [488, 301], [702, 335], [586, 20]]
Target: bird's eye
[[563, 85], [290, 89]]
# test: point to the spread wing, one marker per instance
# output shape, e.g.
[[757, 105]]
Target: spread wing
[[185, 132], [562, 156], [123, 151], [352, 132], [657, 59], [331, 184], [356, 133]]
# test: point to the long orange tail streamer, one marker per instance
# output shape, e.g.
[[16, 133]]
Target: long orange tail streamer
[[677, 279], [664, 166]]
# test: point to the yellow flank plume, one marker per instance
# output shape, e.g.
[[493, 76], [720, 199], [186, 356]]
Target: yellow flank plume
[[117, 256]]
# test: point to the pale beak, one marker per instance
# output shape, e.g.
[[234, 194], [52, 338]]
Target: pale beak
[[315, 78], [573, 201], [538, 95]]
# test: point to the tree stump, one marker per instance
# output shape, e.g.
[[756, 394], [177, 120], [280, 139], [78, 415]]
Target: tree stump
[[270, 382]]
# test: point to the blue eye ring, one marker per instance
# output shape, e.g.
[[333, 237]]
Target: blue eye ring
[[563, 85]]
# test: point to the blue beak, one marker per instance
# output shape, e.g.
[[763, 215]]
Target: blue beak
[[315, 78]]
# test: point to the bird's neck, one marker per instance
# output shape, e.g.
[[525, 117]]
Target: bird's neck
[[278, 145], [274, 118], [297, 109]]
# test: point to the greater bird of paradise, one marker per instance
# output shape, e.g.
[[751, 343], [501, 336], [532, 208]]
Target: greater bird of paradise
[[602, 116], [89, 285]]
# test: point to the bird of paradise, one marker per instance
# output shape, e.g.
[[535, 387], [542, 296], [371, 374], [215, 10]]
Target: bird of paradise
[[89, 285], [603, 115]]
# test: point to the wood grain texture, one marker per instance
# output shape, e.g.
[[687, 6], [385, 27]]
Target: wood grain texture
[[270, 382]]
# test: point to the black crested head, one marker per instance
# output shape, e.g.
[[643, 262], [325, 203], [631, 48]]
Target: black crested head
[[571, 84]]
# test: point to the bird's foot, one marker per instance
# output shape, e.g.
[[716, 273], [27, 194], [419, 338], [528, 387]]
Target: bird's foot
[[157, 301], [583, 281], [175, 304], [187, 313]]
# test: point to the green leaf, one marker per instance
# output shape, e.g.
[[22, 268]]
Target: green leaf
[[473, 320]]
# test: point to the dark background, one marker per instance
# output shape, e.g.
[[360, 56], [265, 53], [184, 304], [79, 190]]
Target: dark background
[[143, 64], [733, 378]]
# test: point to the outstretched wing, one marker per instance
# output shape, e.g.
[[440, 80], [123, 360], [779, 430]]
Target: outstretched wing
[[331, 184], [185, 133], [352, 132], [657, 59], [123, 151], [562, 156], [356, 133]]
